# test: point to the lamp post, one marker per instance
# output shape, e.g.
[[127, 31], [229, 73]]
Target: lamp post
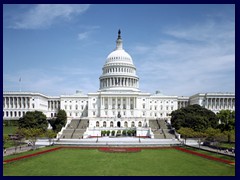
[[139, 137]]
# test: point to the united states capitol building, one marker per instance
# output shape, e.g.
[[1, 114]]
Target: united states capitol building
[[117, 105]]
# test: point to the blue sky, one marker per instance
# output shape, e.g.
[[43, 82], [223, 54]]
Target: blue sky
[[177, 49]]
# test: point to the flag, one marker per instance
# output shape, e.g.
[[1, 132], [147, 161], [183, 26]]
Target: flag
[[20, 79]]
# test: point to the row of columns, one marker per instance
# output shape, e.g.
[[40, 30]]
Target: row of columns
[[53, 105], [216, 103], [182, 104], [122, 124], [127, 102], [13, 113], [16, 102], [118, 70], [119, 81]]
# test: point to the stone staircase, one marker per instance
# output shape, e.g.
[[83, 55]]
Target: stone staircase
[[75, 129]]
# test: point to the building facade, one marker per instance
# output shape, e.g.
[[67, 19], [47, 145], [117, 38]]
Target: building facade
[[118, 102]]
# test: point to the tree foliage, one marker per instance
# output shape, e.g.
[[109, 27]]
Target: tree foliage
[[227, 120], [60, 121], [31, 134], [33, 119], [194, 117], [50, 134]]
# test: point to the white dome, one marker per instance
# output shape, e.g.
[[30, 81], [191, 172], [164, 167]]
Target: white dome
[[119, 72], [120, 56]]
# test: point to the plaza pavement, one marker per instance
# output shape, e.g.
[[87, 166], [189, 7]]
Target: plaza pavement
[[108, 141]]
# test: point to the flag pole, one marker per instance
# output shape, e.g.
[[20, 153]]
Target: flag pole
[[20, 80]]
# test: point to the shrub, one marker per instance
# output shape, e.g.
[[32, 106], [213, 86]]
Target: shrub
[[113, 133]]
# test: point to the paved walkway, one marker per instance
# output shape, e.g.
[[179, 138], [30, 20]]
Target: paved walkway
[[122, 141], [12, 150], [214, 150]]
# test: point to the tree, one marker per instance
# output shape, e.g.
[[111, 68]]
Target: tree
[[33, 119], [5, 139], [186, 132], [60, 121], [194, 117], [113, 133], [50, 134], [32, 134], [200, 135], [227, 120]]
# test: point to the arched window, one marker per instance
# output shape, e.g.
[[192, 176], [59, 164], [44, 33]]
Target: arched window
[[19, 113], [125, 124], [111, 124], [97, 124], [139, 124], [133, 124], [104, 123]]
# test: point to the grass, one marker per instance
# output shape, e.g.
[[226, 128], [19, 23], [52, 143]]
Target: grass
[[212, 154], [6, 131], [9, 129], [80, 162]]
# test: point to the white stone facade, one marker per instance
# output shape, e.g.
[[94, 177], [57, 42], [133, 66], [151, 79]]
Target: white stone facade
[[118, 104]]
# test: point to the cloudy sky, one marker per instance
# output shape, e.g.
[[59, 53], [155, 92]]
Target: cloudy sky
[[177, 49]]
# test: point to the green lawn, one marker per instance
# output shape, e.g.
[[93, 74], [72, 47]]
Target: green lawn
[[9, 129], [79, 162]]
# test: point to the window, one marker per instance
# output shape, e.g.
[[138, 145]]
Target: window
[[82, 107], [70, 107], [132, 124], [106, 113], [32, 105], [111, 124], [76, 114], [97, 124], [131, 106], [104, 123], [65, 107], [139, 124], [143, 113], [143, 106], [76, 107], [94, 113], [125, 124]]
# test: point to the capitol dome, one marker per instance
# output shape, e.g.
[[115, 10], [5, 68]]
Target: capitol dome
[[119, 72]]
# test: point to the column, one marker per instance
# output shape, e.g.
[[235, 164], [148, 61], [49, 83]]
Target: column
[[121, 103], [5, 103]]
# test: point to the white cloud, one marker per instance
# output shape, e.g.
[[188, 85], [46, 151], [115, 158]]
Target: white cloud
[[88, 31], [44, 15], [200, 58], [54, 81], [82, 36]]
